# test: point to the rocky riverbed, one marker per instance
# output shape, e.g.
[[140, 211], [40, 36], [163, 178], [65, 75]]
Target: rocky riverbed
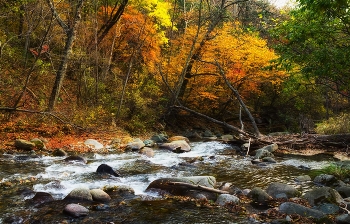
[[169, 180]]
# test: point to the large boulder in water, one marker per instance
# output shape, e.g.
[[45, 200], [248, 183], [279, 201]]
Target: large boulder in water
[[322, 195], [276, 189], [79, 194], [290, 208], [99, 195], [147, 152], [106, 169], [135, 145], [168, 185], [24, 144], [178, 146]]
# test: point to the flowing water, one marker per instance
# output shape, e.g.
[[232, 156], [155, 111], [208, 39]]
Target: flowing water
[[57, 177]]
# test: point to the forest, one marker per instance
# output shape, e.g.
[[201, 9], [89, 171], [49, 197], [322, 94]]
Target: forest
[[148, 65]]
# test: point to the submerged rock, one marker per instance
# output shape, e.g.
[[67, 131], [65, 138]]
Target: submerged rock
[[76, 210]]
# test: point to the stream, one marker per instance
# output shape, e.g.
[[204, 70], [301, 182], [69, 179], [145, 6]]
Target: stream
[[57, 177]]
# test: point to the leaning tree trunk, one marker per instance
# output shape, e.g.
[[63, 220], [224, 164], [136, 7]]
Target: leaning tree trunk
[[70, 31]]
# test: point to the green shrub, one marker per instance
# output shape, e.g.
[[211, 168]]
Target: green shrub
[[334, 125], [339, 171]]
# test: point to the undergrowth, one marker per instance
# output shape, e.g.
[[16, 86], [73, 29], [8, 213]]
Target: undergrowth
[[335, 125]]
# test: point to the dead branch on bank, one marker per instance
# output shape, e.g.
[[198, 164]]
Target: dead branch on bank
[[198, 187], [50, 114]]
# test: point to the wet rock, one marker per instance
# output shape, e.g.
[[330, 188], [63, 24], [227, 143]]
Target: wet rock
[[139, 166], [275, 189], [160, 138], [106, 169], [94, 144], [177, 138], [269, 160], [147, 152], [303, 178], [178, 189], [344, 191], [177, 146], [136, 145], [327, 208], [80, 194], [224, 199], [75, 159], [261, 153], [343, 219], [59, 152], [325, 179], [149, 143], [24, 144], [293, 208], [76, 210], [322, 195], [39, 144], [259, 195], [99, 195], [40, 198]]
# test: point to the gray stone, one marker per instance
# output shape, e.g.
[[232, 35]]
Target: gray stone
[[59, 152], [99, 195], [303, 178], [178, 146], [344, 191], [290, 208], [327, 208], [147, 152], [39, 144], [149, 143], [160, 138], [223, 199], [81, 194], [279, 188], [322, 195], [261, 153], [325, 179], [136, 145], [343, 219], [259, 195], [76, 210], [24, 144], [271, 148], [269, 160]]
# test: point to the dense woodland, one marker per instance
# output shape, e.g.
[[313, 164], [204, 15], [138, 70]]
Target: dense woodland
[[146, 65]]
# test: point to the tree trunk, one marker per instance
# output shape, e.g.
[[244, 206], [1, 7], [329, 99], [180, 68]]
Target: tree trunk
[[71, 34]]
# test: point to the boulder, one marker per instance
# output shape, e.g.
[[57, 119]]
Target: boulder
[[147, 152], [322, 195], [271, 148], [325, 179], [178, 146], [160, 138], [93, 144], [39, 144], [327, 208], [76, 210], [59, 152], [136, 145], [106, 169], [290, 208], [149, 143], [40, 198], [344, 191], [164, 184], [177, 138], [302, 178], [224, 199], [24, 144], [259, 195], [261, 153], [75, 159], [343, 219], [274, 189], [99, 195], [79, 194]]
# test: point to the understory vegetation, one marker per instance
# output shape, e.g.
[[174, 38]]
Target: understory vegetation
[[106, 65]]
